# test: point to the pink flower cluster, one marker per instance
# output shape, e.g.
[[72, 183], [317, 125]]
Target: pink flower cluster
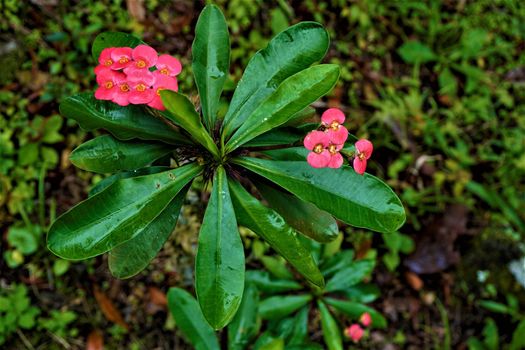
[[354, 331], [124, 75], [325, 145]]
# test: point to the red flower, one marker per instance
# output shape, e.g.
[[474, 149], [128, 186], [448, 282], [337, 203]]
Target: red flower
[[354, 332], [121, 57], [144, 57], [163, 82], [365, 319], [333, 119], [317, 141], [336, 159], [168, 65], [363, 149], [108, 84], [140, 82]]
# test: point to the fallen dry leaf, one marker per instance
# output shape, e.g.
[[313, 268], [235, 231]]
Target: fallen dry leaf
[[157, 296], [95, 341], [413, 281], [108, 308]]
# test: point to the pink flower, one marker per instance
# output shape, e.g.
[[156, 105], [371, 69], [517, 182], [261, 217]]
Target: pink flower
[[140, 82], [122, 94], [121, 57], [317, 141], [354, 332], [105, 57], [168, 65], [163, 82], [333, 119], [336, 159], [144, 57], [365, 319], [363, 149], [108, 81]]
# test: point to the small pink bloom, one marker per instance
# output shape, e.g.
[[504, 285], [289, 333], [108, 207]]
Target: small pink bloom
[[354, 332], [101, 69], [105, 59], [333, 115], [363, 149], [163, 82], [121, 57], [122, 94], [140, 82], [168, 65], [144, 57], [336, 159], [333, 119], [317, 141], [107, 81], [365, 319]]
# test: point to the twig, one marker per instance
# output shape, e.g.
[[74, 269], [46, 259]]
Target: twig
[[26, 341], [60, 340]]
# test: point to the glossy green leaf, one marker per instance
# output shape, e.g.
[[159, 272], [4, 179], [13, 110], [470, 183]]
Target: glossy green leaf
[[113, 39], [219, 271], [271, 227], [331, 330], [277, 267], [350, 275], [280, 306], [355, 310], [124, 123], [268, 342], [133, 256], [303, 216], [117, 214], [244, 326], [300, 330], [301, 117], [105, 154], [288, 53], [188, 315], [182, 113], [108, 181], [363, 293], [358, 200], [211, 60], [292, 96], [281, 136], [288, 154], [337, 262], [265, 283]]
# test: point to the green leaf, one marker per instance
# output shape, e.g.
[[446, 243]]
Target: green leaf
[[277, 267], [244, 326], [124, 123], [496, 307], [183, 113], [133, 256], [23, 238], [350, 275], [300, 330], [188, 315], [282, 136], [281, 306], [518, 340], [271, 227], [288, 154], [113, 39], [355, 310], [416, 52], [108, 181], [303, 216], [358, 200], [105, 154], [265, 283], [288, 53], [219, 271], [117, 214], [211, 60], [331, 333], [292, 96], [490, 332], [337, 262]]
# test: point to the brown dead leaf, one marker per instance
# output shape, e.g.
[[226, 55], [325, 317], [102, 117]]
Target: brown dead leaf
[[108, 308], [413, 281], [157, 296], [136, 9], [95, 341]]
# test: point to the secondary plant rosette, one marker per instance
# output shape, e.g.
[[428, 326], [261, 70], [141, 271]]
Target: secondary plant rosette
[[130, 214]]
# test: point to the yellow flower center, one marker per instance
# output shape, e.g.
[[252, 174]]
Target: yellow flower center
[[158, 90], [141, 64], [361, 156], [109, 84], [124, 87], [332, 149], [334, 125], [140, 87], [164, 71], [318, 148], [123, 60], [108, 63]]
